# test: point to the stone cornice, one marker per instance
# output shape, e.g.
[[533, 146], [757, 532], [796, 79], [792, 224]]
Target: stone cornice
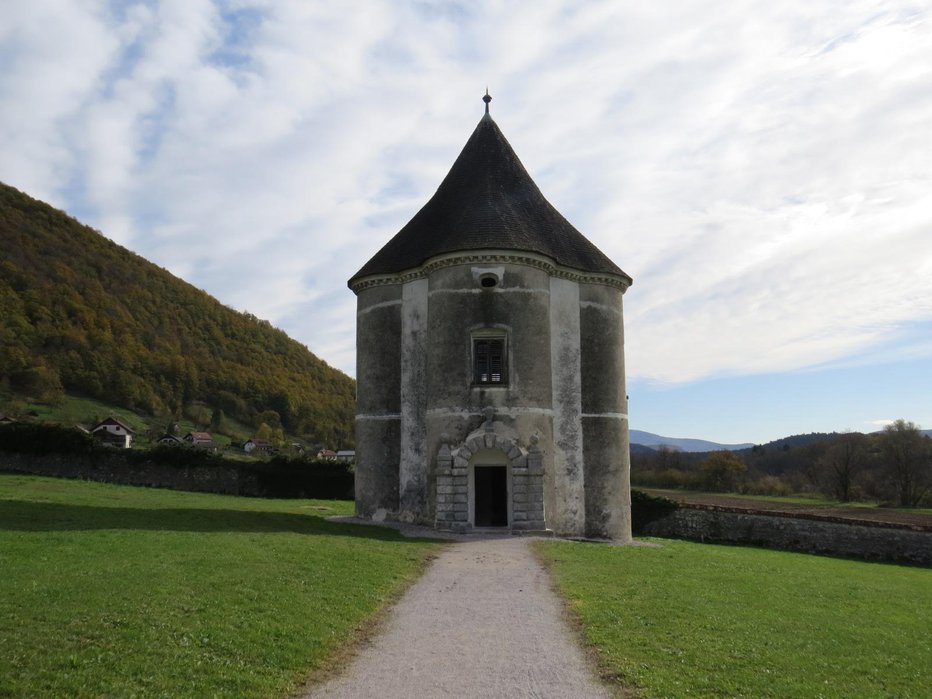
[[473, 257]]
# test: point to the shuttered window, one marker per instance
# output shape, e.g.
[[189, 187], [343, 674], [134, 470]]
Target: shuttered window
[[490, 360]]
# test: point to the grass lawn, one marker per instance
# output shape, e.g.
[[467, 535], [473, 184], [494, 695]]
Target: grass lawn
[[690, 619], [73, 410], [117, 591]]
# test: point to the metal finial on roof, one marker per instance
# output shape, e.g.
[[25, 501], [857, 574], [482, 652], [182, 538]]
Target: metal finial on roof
[[487, 99]]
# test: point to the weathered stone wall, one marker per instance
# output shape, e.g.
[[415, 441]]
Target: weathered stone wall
[[231, 478], [459, 309], [378, 398], [568, 516], [413, 460], [565, 387], [868, 541], [529, 492], [208, 479], [604, 413]]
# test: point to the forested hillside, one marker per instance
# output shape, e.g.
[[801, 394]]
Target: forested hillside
[[890, 466], [84, 315]]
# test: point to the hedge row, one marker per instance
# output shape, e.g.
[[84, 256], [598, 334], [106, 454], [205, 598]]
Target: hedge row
[[68, 452]]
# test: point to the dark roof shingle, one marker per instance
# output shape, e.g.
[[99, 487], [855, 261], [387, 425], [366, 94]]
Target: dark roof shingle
[[488, 201]]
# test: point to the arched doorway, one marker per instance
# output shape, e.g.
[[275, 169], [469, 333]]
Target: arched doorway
[[489, 466], [489, 489]]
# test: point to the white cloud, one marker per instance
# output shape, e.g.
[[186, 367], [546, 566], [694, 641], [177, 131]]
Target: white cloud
[[761, 169], [880, 423], [53, 55]]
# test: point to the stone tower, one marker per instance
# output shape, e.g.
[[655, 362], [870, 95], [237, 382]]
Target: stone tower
[[490, 362]]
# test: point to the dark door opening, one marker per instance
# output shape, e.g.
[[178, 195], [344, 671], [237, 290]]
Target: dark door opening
[[491, 496]]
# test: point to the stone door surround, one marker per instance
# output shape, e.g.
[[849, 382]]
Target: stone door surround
[[526, 508]]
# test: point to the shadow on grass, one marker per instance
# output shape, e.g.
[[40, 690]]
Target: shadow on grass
[[28, 516]]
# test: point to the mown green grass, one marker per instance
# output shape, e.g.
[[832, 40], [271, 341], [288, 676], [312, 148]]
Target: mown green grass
[[74, 410], [116, 591], [690, 619]]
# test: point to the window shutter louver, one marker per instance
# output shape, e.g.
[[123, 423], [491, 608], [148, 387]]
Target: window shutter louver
[[482, 361], [496, 348], [490, 361]]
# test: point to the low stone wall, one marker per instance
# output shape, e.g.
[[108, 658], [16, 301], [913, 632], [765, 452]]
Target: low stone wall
[[208, 479], [228, 478], [871, 541]]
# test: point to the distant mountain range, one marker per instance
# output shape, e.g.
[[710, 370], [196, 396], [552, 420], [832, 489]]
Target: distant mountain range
[[655, 441], [646, 442]]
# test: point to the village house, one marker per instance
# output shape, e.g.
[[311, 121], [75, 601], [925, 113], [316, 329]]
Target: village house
[[113, 432], [490, 362], [202, 440], [258, 446]]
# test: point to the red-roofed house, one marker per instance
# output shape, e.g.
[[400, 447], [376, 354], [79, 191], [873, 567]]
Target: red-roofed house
[[258, 446], [200, 439]]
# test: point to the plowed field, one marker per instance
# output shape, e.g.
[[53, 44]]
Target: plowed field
[[914, 519]]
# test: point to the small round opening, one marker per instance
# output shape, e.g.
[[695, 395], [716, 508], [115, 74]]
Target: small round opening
[[488, 282]]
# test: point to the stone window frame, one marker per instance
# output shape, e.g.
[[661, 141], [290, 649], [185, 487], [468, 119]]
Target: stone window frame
[[490, 335]]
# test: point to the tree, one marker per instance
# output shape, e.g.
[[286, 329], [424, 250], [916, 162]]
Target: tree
[[841, 463], [722, 469], [217, 420], [270, 418], [909, 457], [668, 457], [39, 381], [82, 315]]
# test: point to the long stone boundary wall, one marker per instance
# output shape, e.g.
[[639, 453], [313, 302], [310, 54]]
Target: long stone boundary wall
[[224, 479], [209, 479], [872, 541]]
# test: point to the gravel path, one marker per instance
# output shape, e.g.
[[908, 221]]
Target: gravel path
[[481, 622]]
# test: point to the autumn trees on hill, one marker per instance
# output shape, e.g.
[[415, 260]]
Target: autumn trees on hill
[[84, 315]]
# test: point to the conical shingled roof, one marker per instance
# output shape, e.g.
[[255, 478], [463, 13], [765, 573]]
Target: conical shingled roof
[[488, 201]]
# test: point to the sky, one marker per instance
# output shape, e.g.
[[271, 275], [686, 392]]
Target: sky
[[762, 170]]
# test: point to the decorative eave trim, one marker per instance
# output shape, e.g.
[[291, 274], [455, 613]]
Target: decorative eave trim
[[472, 257]]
